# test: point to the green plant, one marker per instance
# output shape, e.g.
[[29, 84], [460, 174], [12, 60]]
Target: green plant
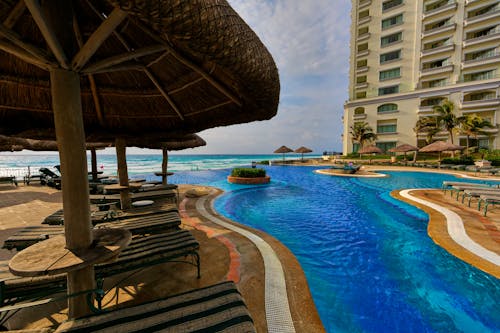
[[463, 160], [248, 172]]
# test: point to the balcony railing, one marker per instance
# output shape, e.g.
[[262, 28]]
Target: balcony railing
[[436, 70], [482, 39], [361, 85], [443, 48], [363, 69], [438, 30], [451, 5], [364, 36], [491, 59], [362, 53], [364, 3], [480, 103], [486, 16], [364, 20], [359, 116]]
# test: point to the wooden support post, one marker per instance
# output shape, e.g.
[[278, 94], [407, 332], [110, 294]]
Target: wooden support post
[[68, 118], [164, 166], [93, 160], [122, 172]]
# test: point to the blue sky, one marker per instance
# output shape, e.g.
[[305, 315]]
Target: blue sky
[[309, 41]]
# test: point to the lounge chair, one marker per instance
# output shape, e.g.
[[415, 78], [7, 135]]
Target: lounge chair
[[8, 180], [50, 178], [218, 308], [488, 199], [142, 252], [142, 225], [476, 193]]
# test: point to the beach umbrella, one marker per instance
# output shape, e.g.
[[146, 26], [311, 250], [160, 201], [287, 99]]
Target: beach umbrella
[[283, 150], [439, 147], [370, 150], [76, 69], [404, 148], [179, 143], [303, 150]]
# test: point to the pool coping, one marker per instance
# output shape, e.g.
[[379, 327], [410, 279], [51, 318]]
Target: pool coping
[[463, 247]]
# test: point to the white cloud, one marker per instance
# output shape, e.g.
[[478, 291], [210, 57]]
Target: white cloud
[[309, 41]]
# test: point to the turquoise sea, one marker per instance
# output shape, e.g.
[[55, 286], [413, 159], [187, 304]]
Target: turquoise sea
[[16, 164]]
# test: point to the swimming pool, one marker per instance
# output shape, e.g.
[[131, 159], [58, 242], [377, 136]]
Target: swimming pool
[[367, 257]]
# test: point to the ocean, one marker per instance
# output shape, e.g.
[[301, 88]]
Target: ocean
[[17, 164]]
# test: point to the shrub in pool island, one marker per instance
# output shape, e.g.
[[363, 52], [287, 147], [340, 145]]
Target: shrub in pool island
[[248, 176]]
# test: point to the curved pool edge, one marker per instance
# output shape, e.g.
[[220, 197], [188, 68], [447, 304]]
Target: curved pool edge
[[288, 300], [446, 229]]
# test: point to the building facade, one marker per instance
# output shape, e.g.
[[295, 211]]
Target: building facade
[[409, 55]]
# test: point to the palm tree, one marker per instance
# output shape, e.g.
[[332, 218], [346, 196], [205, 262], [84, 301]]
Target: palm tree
[[361, 133], [429, 126], [473, 125], [446, 116]]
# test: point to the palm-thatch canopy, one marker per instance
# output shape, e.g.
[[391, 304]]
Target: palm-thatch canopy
[[370, 150], [303, 150], [41, 145], [404, 148], [70, 69], [8, 147], [283, 150], [188, 65], [440, 146], [173, 143]]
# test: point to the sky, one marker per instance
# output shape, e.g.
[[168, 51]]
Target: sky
[[309, 41]]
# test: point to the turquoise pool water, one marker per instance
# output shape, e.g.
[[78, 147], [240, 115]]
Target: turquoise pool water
[[370, 264]]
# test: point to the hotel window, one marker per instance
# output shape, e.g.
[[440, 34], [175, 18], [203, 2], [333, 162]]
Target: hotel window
[[390, 4], [361, 94], [483, 32], [355, 147], [362, 63], [437, 83], [386, 127], [480, 96], [362, 47], [389, 74], [482, 11], [431, 101], [483, 54], [362, 31], [388, 90], [391, 21], [436, 25], [436, 63], [389, 56], [436, 44], [363, 14], [486, 75], [359, 110], [385, 146], [387, 40], [361, 79], [387, 108], [437, 5]]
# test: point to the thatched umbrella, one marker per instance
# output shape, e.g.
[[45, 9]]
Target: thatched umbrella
[[283, 150], [303, 150], [180, 143], [404, 148], [439, 147], [116, 67], [370, 150]]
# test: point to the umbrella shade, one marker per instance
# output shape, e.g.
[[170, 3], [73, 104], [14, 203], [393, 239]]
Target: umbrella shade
[[303, 150], [283, 150], [440, 146], [370, 150], [404, 148], [111, 67]]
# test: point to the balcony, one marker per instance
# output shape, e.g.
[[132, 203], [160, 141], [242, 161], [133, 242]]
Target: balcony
[[436, 70], [362, 53], [482, 39], [363, 37], [481, 103], [364, 20], [361, 85], [479, 18], [363, 4], [494, 58], [363, 69], [438, 30], [444, 48], [425, 110], [451, 5], [359, 116]]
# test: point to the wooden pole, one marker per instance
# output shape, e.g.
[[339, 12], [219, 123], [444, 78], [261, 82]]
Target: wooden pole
[[164, 166], [122, 172], [68, 118], [93, 159]]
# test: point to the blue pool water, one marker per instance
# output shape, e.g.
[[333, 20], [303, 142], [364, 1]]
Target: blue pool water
[[370, 264]]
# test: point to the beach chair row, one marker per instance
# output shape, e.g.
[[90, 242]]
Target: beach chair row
[[486, 194]]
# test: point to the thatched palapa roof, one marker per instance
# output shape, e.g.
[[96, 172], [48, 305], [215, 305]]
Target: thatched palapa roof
[[370, 150], [189, 65], [283, 150], [404, 148], [440, 146]]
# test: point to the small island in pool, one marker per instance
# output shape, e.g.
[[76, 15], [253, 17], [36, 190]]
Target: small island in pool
[[347, 168], [248, 176]]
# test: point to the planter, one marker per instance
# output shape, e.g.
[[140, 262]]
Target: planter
[[249, 181]]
